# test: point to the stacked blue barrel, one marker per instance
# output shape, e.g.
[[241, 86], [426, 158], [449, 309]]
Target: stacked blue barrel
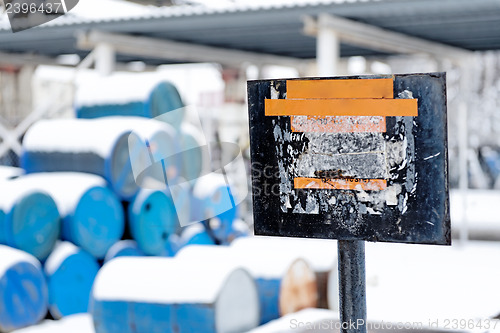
[[94, 188], [94, 218]]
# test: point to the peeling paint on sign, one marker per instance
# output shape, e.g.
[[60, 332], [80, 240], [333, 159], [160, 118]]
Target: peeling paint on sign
[[358, 176]]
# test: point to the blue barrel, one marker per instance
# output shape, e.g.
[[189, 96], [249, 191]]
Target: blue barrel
[[93, 217], [101, 147], [124, 248], [23, 290], [240, 229], [153, 218], [70, 274], [144, 95], [213, 199], [154, 294], [29, 218], [195, 234]]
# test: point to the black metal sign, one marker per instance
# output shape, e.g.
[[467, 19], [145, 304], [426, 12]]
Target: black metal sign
[[351, 158]]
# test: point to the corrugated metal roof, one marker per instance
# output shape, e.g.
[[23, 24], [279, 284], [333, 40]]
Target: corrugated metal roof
[[276, 28]]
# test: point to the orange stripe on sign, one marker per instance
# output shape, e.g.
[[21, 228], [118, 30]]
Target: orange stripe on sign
[[354, 124], [341, 107], [360, 88], [340, 184]]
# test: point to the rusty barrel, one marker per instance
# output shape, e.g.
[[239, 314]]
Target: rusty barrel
[[285, 282], [320, 254]]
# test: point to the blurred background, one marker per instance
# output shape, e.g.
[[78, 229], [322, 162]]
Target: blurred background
[[114, 80]]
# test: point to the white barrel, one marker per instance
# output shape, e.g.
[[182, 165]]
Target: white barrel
[[77, 323], [92, 215], [70, 274], [23, 290], [321, 254], [155, 294], [115, 148], [285, 282]]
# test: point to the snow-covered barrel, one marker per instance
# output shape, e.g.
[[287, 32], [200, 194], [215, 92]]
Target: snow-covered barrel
[[152, 219], [285, 283], [195, 234], [194, 152], [124, 248], [70, 274], [182, 197], [321, 255], [116, 148], [92, 215], [145, 95], [8, 172], [214, 198], [156, 294], [29, 218], [23, 290]]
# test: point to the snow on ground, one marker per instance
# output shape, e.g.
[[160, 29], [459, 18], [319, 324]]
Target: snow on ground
[[422, 283], [78, 323], [303, 319]]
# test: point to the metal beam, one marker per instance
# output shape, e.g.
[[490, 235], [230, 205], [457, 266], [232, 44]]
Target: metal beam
[[172, 50], [376, 38]]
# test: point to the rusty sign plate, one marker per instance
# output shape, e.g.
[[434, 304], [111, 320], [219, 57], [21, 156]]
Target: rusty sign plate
[[352, 158]]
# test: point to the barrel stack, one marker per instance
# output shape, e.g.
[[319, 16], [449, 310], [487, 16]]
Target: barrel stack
[[92, 215], [94, 218]]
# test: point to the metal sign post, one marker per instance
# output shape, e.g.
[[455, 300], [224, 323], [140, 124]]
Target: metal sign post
[[354, 159], [352, 286]]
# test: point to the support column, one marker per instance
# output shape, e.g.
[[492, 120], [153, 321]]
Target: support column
[[327, 48], [105, 58]]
